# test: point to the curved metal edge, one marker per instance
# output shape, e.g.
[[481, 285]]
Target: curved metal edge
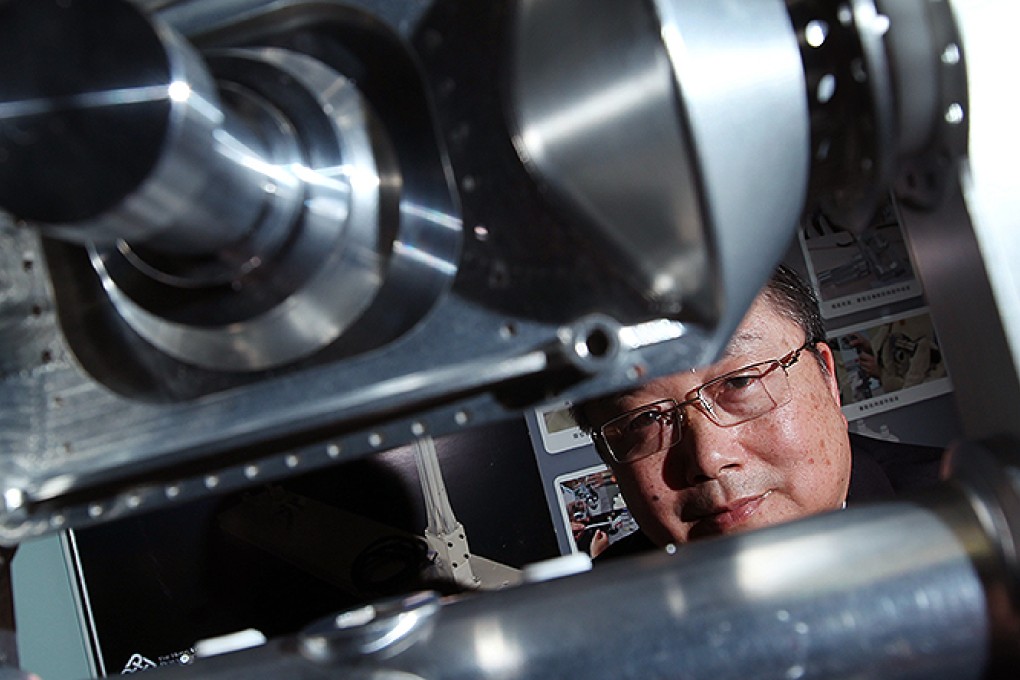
[[989, 474], [750, 136], [195, 157], [882, 591], [341, 205], [596, 123], [380, 630]]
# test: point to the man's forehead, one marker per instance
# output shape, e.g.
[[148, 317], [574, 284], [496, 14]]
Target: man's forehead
[[761, 335], [745, 342]]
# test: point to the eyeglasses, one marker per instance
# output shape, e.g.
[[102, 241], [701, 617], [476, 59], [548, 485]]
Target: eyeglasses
[[733, 398]]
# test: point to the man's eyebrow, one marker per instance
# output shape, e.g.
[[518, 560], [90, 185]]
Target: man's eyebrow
[[742, 343]]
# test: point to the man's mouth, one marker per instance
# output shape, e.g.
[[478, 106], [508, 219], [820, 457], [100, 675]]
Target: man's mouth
[[726, 518]]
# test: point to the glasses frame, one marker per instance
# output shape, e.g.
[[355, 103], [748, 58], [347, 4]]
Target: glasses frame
[[784, 362]]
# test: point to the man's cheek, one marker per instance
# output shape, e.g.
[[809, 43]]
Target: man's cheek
[[644, 496]]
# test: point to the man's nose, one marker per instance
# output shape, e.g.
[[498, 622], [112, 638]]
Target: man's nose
[[706, 451]]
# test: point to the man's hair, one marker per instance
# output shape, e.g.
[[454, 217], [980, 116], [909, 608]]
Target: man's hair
[[794, 299], [790, 297]]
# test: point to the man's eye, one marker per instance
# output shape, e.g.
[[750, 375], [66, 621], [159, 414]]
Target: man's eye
[[645, 420], [737, 383]]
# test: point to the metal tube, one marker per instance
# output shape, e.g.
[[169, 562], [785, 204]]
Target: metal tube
[[112, 128], [885, 591], [890, 591]]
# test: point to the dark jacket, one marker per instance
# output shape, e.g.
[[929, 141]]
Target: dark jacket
[[880, 470]]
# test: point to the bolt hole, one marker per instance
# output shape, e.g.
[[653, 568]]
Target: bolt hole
[[857, 70], [826, 89], [822, 152], [951, 55], [954, 114], [597, 344], [816, 32]]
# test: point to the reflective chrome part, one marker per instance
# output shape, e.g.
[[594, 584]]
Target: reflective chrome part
[[625, 121], [245, 222], [303, 294], [97, 424], [118, 133], [989, 180], [879, 78], [963, 220], [919, 588], [990, 476], [380, 630], [590, 344], [89, 410]]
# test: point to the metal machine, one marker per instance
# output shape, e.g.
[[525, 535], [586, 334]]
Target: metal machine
[[250, 238]]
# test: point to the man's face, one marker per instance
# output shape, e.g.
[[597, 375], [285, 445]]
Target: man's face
[[791, 462]]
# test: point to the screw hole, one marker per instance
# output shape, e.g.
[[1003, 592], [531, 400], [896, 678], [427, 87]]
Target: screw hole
[[596, 344]]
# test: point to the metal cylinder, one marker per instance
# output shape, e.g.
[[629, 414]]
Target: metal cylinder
[[892, 591], [111, 128], [876, 592]]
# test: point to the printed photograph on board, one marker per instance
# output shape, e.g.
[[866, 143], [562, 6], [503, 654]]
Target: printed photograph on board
[[852, 272], [559, 431], [594, 509], [890, 362]]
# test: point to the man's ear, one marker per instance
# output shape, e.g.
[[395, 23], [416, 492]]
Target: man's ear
[[829, 374]]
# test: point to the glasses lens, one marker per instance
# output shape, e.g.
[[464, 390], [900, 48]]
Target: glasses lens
[[748, 393], [642, 432]]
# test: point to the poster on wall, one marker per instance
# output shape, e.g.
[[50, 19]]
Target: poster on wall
[[888, 362], [559, 431], [852, 272], [594, 509]]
